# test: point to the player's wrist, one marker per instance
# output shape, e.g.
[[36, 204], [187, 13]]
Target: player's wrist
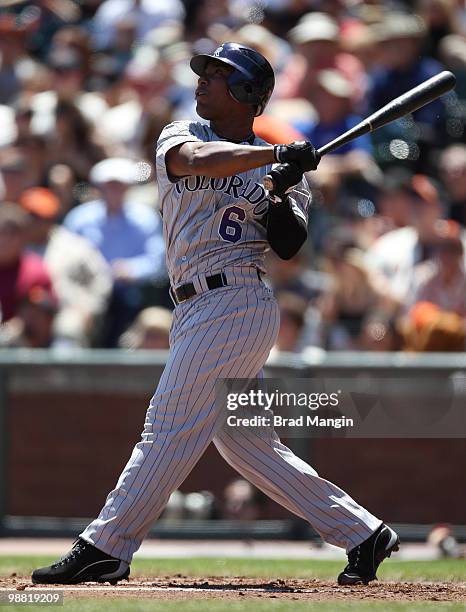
[[278, 151]]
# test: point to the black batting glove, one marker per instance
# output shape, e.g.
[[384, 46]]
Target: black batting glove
[[282, 179], [302, 153]]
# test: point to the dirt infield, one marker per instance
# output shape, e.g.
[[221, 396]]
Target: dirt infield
[[179, 588]]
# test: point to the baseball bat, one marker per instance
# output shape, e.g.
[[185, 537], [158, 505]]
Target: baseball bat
[[399, 107]]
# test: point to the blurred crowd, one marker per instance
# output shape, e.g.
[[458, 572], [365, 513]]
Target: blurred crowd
[[85, 89]]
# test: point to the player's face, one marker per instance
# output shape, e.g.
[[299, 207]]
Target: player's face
[[212, 96]]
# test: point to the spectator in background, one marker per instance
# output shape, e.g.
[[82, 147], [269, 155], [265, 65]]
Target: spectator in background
[[358, 41], [453, 173], [11, 53], [299, 289], [73, 143], [150, 330], [316, 40], [292, 320], [15, 174], [441, 18], [20, 271], [81, 276], [151, 93], [242, 501], [452, 51], [428, 328], [69, 72], [441, 280], [399, 38], [146, 14], [43, 19], [393, 201], [204, 15], [64, 80], [296, 276], [396, 253], [34, 149], [351, 166], [77, 39], [355, 292], [33, 325], [129, 236]]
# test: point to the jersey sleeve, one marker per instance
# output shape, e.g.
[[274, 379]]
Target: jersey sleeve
[[174, 134]]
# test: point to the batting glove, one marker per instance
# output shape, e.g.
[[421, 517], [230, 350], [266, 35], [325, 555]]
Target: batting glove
[[299, 152], [282, 179]]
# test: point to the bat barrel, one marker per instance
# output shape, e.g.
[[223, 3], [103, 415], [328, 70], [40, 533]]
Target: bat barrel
[[413, 99], [399, 107]]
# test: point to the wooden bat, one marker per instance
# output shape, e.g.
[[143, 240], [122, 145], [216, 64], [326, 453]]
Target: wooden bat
[[399, 107]]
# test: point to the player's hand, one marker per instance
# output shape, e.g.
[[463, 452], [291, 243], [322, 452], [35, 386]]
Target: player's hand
[[282, 179], [302, 153]]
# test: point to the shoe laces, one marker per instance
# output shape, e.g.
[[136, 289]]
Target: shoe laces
[[76, 550], [354, 556]]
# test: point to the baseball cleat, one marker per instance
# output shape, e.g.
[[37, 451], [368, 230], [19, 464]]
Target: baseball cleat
[[83, 563], [363, 560]]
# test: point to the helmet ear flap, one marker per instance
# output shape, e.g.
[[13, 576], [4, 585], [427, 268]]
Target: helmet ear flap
[[248, 92]]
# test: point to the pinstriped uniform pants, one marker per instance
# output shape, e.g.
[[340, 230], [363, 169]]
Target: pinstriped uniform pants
[[225, 333]]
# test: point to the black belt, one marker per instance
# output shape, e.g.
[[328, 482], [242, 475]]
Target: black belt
[[187, 291]]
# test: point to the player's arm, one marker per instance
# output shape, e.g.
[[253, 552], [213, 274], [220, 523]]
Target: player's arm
[[222, 159], [286, 230], [286, 222], [216, 159]]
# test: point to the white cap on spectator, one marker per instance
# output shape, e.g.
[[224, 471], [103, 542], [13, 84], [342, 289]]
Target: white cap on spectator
[[314, 26], [335, 83], [118, 169], [398, 25]]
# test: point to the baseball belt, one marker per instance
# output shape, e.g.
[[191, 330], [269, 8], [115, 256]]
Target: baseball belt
[[187, 291]]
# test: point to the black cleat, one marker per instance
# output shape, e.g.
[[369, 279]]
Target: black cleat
[[363, 560], [83, 563]]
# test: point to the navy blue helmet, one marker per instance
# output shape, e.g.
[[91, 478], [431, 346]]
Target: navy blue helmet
[[252, 81]]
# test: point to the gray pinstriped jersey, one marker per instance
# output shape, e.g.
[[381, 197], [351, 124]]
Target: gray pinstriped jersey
[[210, 224]]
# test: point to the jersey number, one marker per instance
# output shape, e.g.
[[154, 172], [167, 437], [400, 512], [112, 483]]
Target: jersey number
[[230, 226]]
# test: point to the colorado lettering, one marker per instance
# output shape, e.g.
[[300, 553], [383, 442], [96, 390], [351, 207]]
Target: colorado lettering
[[235, 186]]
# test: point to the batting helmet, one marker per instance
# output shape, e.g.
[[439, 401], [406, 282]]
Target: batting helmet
[[252, 81]]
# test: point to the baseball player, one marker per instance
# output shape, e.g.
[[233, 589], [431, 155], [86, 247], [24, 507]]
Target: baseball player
[[219, 223]]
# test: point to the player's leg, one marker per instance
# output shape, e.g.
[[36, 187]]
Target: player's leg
[[258, 455], [211, 340], [228, 337]]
